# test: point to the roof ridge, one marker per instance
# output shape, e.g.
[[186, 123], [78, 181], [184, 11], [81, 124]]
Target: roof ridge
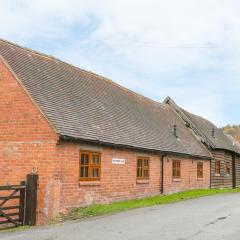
[[50, 57], [195, 115], [169, 99], [182, 120], [216, 127], [186, 116]]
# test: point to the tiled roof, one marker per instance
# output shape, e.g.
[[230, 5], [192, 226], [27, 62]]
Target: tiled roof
[[206, 130], [234, 142], [83, 105]]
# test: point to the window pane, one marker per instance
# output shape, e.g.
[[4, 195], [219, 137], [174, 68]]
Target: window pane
[[217, 167], [86, 159], [145, 162], [139, 162], [139, 172], [82, 172], [200, 170], [86, 171], [176, 168], [173, 170], [94, 172], [82, 159], [95, 159], [227, 168]]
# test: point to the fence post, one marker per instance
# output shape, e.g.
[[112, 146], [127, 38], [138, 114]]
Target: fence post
[[31, 199], [22, 203]]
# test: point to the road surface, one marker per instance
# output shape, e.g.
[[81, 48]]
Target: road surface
[[215, 217]]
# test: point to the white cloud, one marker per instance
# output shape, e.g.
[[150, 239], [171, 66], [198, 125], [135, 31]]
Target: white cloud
[[188, 49]]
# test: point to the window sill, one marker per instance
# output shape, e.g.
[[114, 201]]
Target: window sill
[[217, 175], [176, 179], [89, 183], [200, 179], [142, 181]]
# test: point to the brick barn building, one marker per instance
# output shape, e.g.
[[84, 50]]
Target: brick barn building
[[89, 139]]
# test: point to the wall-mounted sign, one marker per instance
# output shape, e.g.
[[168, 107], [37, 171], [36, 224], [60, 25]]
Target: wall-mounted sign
[[118, 161]]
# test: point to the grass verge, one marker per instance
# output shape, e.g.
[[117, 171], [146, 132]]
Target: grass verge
[[102, 209], [14, 229]]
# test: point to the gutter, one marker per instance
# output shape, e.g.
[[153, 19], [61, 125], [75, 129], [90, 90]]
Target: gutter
[[68, 138]]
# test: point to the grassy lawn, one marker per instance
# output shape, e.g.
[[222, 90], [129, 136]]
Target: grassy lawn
[[101, 209]]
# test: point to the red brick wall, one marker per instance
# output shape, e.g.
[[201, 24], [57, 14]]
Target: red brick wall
[[118, 182], [26, 142], [188, 178]]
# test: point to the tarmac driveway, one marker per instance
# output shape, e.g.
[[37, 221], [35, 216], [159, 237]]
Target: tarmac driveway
[[216, 217]]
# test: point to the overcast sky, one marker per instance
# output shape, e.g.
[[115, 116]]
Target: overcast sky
[[187, 49]]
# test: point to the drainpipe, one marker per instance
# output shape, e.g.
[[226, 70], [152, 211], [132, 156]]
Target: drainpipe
[[211, 173], [233, 170], [162, 176]]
